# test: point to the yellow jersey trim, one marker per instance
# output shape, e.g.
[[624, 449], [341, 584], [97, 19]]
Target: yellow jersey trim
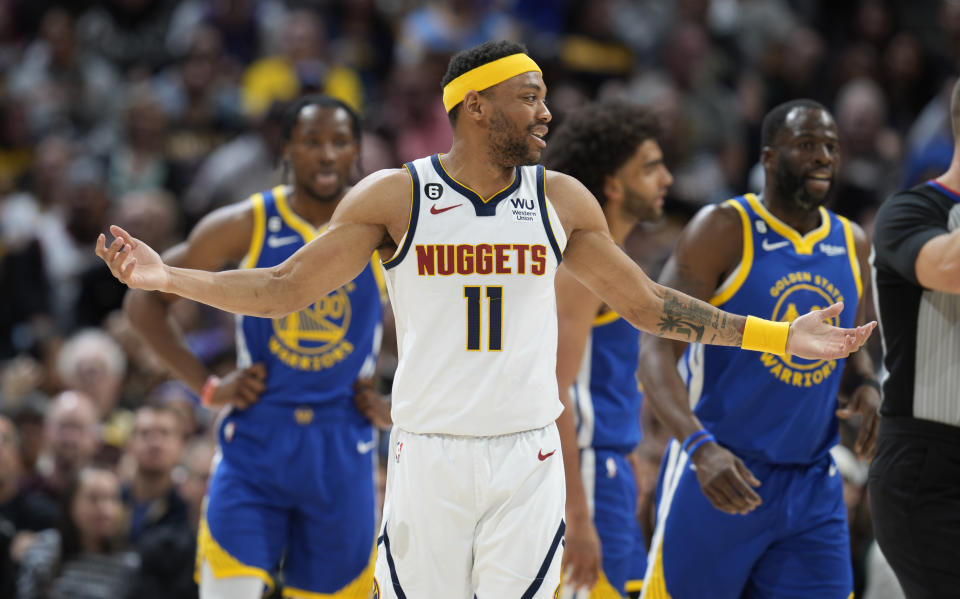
[[358, 588], [377, 267], [852, 252], [605, 318], [404, 242], [259, 230], [290, 217], [634, 586], [729, 288], [803, 245], [222, 564], [482, 199], [656, 584], [604, 590]]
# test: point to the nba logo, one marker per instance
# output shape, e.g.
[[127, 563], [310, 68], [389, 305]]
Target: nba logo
[[228, 431], [399, 449]]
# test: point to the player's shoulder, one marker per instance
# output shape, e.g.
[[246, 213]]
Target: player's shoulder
[[723, 218]]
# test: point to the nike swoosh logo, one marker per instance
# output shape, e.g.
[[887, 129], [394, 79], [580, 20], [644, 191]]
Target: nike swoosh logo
[[276, 242], [774, 246], [435, 210], [367, 447], [542, 456]]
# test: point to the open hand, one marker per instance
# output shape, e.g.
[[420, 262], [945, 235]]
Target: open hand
[[133, 262], [725, 480], [813, 338], [581, 554]]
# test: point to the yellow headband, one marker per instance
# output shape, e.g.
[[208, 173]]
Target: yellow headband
[[486, 75]]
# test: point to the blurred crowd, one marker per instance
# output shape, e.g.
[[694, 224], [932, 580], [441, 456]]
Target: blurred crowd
[[150, 113]]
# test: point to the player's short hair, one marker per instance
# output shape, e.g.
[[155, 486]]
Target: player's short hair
[[469, 59], [777, 116], [292, 114], [596, 140], [955, 110]]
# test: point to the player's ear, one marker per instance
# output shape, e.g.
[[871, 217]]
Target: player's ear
[[472, 106], [612, 188], [767, 157]]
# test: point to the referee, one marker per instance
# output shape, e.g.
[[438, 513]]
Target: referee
[[915, 477]]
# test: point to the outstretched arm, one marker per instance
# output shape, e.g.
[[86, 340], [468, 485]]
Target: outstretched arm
[[375, 210], [593, 257]]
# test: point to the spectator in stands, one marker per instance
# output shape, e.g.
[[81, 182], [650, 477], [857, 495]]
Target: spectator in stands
[[26, 512], [72, 440], [156, 447], [83, 555]]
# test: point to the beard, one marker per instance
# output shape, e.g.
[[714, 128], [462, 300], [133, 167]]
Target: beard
[[791, 186], [509, 147], [322, 196], [638, 207]]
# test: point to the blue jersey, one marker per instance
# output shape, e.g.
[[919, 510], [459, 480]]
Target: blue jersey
[[606, 393], [772, 408], [313, 356]]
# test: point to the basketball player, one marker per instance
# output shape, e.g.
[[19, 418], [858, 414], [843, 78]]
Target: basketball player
[[612, 149], [915, 478], [475, 495], [295, 476], [761, 417]]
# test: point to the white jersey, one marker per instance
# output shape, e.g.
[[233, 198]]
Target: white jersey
[[472, 291]]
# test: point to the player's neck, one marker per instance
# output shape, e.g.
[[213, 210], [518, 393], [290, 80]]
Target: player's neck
[[315, 211], [472, 167], [620, 225], [800, 220]]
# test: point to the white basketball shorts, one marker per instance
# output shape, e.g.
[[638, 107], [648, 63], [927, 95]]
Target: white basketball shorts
[[467, 516]]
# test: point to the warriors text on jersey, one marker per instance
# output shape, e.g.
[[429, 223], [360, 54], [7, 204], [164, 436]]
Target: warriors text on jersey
[[773, 408], [312, 356], [472, 291]]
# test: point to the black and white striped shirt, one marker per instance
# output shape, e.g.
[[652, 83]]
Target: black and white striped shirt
[[920, 327]]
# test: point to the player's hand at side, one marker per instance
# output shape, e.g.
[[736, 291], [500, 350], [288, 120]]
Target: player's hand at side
[[725, 480], [133, 262], [241, 388], [865, 400], [581, 553], [812, 337], [372, 404]]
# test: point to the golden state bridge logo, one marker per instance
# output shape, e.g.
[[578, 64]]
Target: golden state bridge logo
[[315, 338], [795, 294]]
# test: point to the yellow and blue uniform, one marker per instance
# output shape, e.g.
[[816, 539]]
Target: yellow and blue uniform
[[775, 412], [607, 400], [295, 478]]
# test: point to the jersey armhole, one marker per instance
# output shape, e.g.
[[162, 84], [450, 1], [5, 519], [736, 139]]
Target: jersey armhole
[[259, 230], [736, 278], [852, 253], [407, 239], [545, 214]]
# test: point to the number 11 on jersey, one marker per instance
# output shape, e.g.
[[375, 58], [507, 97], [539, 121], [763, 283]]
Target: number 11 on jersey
[[494, 317]]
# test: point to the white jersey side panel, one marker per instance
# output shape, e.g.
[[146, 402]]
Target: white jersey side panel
[[473, 297]]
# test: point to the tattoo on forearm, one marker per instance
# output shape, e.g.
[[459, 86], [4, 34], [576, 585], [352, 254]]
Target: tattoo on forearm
[[689, 318]]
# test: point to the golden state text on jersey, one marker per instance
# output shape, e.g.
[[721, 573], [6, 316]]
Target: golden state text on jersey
[[472, 290], [777, 408], [313, 355]]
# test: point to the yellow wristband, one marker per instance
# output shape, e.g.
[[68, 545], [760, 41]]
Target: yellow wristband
[[765, 335]]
